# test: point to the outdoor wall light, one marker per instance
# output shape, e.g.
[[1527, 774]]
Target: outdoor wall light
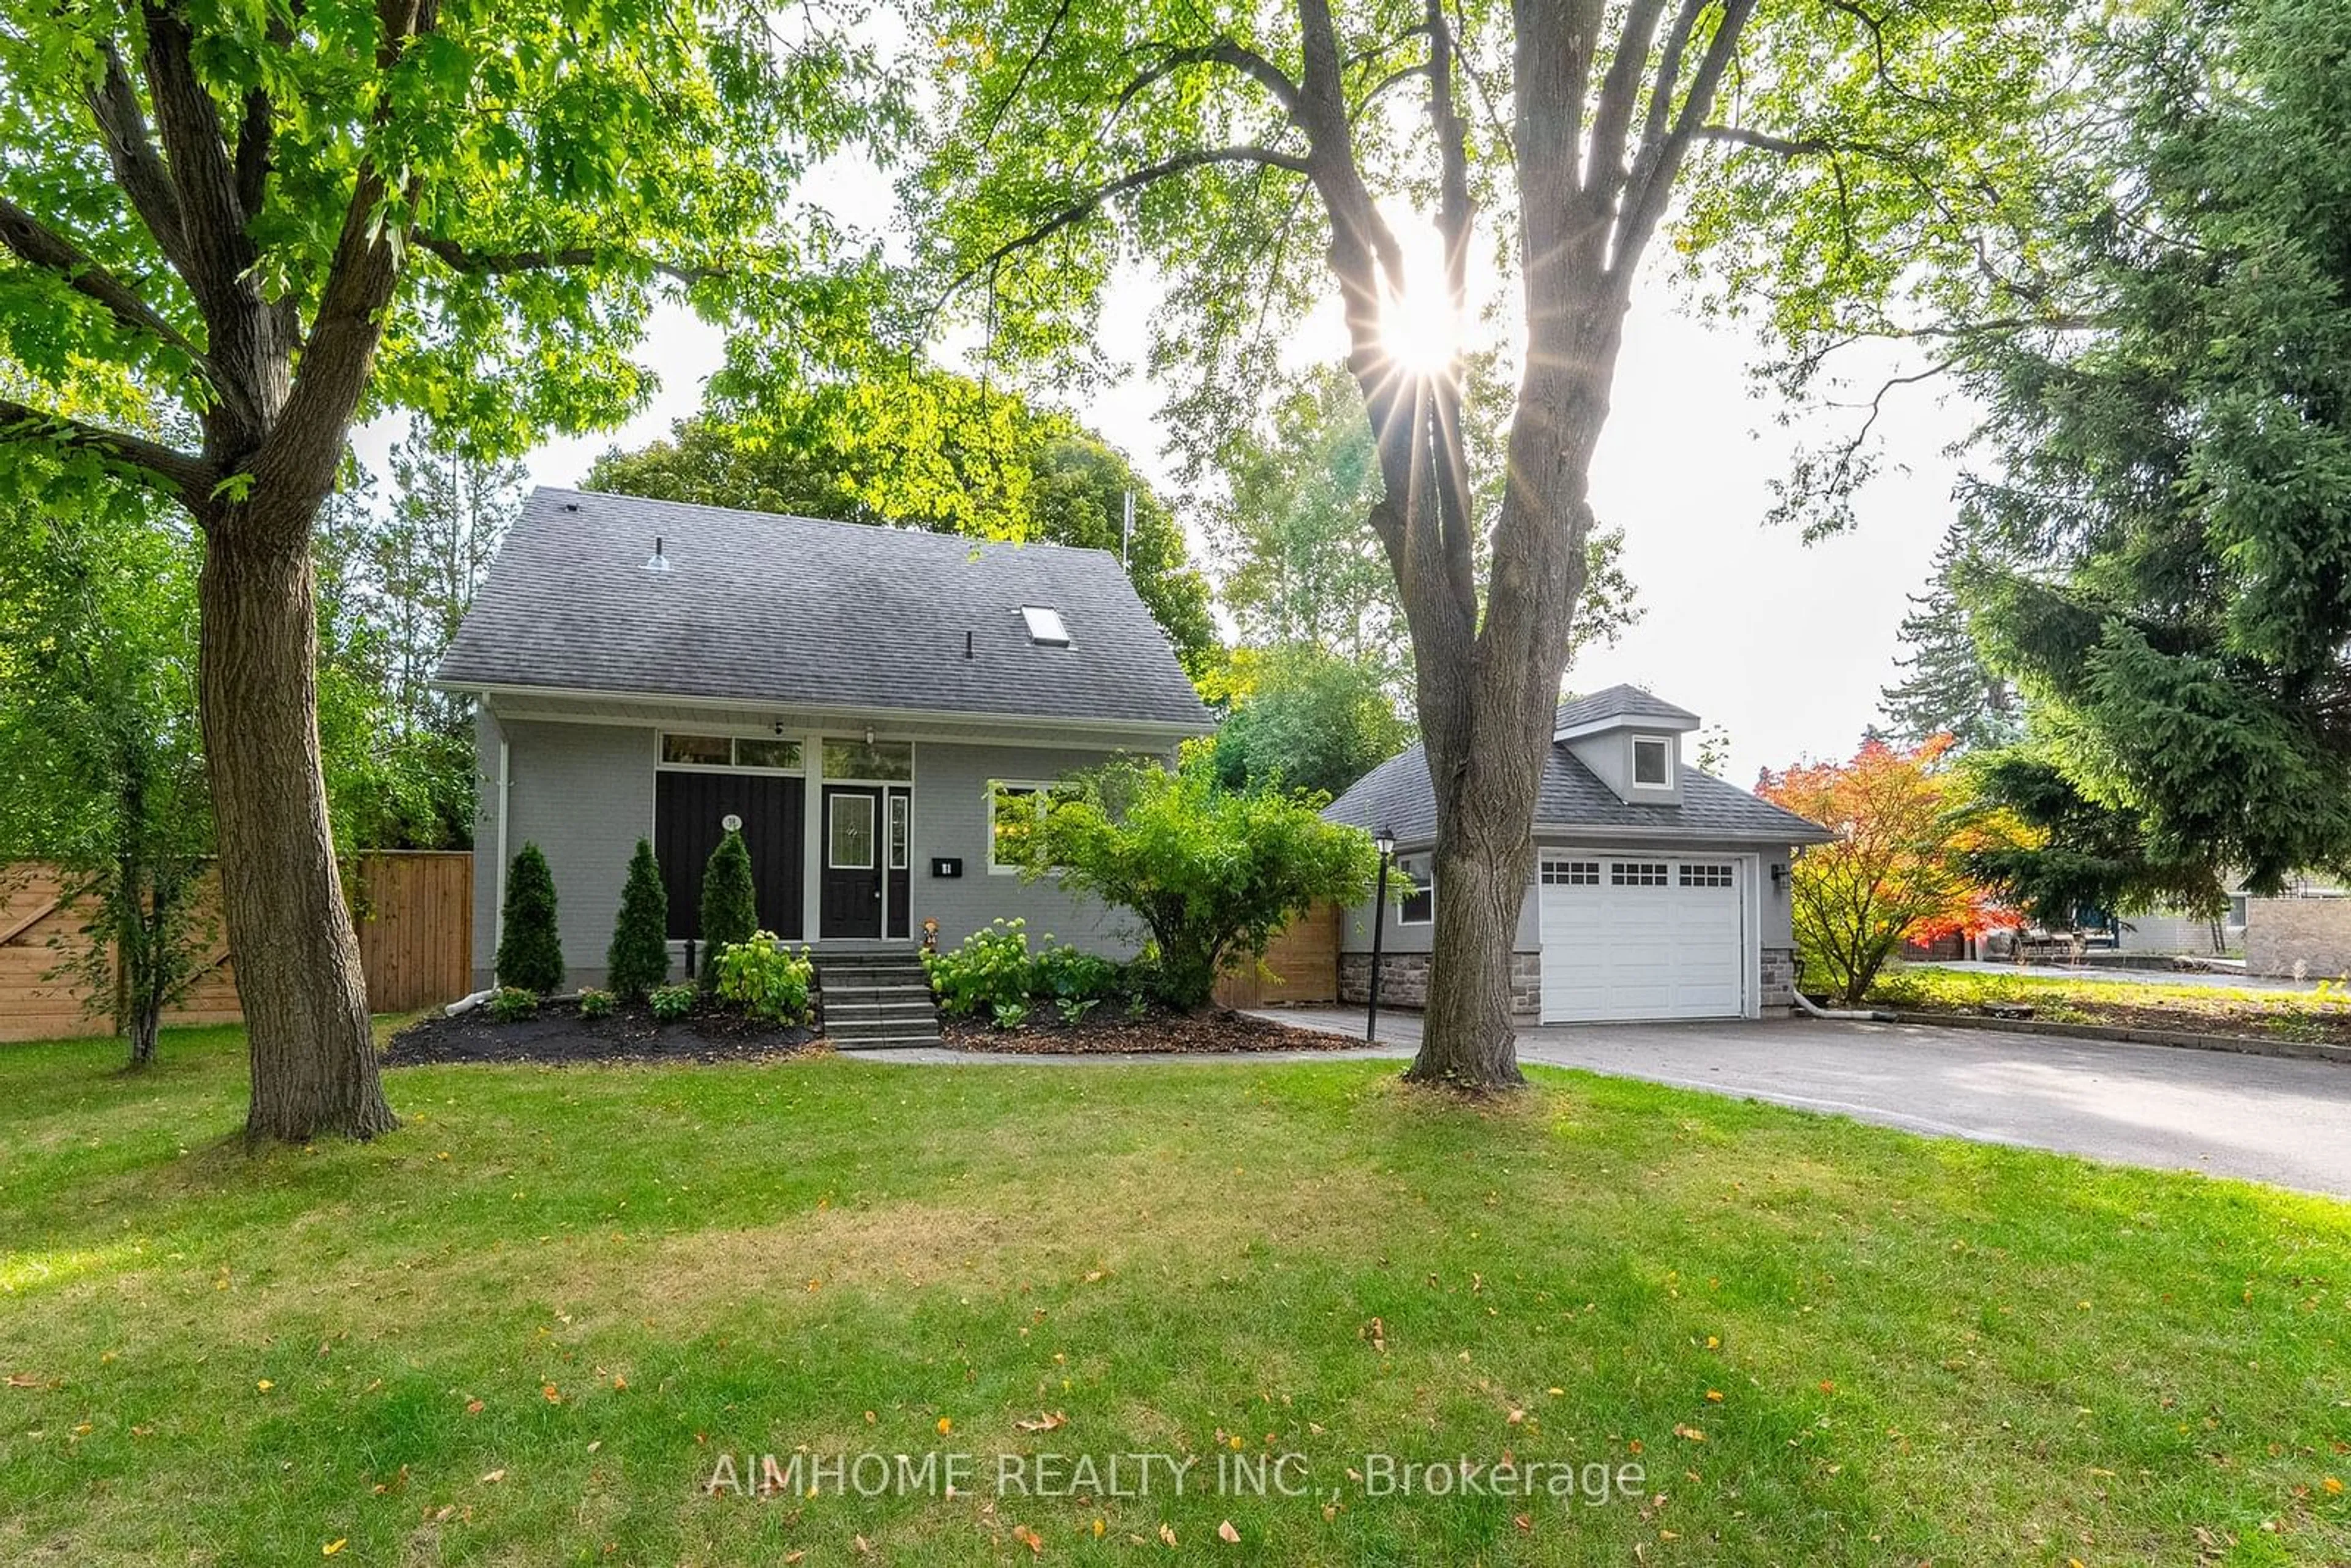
[[1779, 877], [1384, 842]]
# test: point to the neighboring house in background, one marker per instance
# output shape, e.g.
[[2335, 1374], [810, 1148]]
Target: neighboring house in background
[[1657, 891], [850, 695]]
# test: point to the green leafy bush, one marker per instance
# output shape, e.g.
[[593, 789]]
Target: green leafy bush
[[1212, 874], [991, 969], [730, 904], [595, 1004], [1073, 1009], [512, 1004], [530, 956], [1064, 973], [1011, 1015], [766, 978], [671, 1002], [638, 959]]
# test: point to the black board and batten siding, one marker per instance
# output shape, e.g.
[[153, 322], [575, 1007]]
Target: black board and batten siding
[[690, 811]]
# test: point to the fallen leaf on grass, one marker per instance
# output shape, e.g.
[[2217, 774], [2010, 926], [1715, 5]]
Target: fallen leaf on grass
[[494, 1477], [862, 1545], [473, 1407], [332, 1547], [1030, 1538], [1044, 1423], [550, 1393], [2334, 1487], [1692, 1433], [1227, 1534], [1167, 1534], [1714, 1397], [792, 1557]]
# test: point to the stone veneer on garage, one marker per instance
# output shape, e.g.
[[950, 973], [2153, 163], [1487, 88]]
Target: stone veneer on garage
[[1404, 980]]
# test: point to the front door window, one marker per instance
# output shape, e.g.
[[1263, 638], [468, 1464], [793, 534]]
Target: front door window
[[852, 832]]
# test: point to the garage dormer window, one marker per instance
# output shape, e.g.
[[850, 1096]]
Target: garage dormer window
[[1045, 626], [1653, 762]]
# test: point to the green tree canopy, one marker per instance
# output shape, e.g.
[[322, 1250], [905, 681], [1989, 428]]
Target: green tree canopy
[[1305, 719], [229, 231], [102, 760], [932, 450], [2167, 462]]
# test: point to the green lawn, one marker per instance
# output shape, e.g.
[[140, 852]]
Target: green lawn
[[2322, 1014], [522, 1329]]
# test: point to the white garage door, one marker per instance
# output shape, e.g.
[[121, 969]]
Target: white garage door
[[1647, 938]]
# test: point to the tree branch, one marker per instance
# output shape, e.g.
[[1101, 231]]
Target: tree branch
[[186, 117], [1085, 205], [138, 167], [179, 476], [1020, 78], [475, 263], [1223, 52], [1644, 199], [25, 234]]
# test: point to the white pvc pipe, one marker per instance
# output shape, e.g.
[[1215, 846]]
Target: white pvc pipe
[[1805, 1004]]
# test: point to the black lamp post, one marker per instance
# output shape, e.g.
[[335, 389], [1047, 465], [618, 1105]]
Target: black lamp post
[[1385, 841]]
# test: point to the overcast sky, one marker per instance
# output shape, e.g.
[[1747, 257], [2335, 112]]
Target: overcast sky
[[1784, 644]]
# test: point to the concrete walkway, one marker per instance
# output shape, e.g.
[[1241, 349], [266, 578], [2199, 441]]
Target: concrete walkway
[[2260, 1118]]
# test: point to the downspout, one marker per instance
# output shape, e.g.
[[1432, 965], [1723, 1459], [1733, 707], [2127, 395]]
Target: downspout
[[505, 785], [1805, 1004]]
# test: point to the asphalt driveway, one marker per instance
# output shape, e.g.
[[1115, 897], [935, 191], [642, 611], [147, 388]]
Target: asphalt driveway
[[2261, 1118]]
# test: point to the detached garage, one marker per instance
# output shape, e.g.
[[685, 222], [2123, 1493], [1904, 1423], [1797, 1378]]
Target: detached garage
[[1658, 890]]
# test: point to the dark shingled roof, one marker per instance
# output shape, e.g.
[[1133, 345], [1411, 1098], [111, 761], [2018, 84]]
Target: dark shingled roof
[[1397, 794], [1618, 702], [784, 611]]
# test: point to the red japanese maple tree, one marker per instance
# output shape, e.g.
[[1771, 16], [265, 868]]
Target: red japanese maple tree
[[1905, 821]]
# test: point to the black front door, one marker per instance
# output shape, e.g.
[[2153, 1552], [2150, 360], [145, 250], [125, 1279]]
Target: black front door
[[851, 901]]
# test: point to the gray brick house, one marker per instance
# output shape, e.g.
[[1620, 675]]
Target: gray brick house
[[852, 696], [1658, 890]]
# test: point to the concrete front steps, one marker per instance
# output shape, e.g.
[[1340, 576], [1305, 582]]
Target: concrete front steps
[[876, 1001]]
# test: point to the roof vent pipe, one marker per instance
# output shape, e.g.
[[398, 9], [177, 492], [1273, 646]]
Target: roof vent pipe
[[658, 561], [967, 644]]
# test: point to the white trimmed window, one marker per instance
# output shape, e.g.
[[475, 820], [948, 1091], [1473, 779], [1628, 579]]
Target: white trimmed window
[[1571, 873], [1015, 808], [1653, 762], [1636, 874], [1419, 906], [1699, 874]]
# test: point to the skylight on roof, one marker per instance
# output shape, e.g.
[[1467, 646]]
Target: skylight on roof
[[1045, 627]]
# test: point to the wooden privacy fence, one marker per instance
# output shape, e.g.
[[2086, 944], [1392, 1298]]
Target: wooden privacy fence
[[1302, 966], [413, 911]]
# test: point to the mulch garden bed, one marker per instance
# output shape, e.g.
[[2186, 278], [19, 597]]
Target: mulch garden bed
[[558, 1034], [1159, 1033]]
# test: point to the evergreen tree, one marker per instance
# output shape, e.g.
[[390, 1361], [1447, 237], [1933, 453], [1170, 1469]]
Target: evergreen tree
[[730, 904], [638, 959], [2173, 452], [529, 952], [1947, 688]]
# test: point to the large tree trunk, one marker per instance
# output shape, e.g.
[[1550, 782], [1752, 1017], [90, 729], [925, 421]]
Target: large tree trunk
[[298, 962]]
